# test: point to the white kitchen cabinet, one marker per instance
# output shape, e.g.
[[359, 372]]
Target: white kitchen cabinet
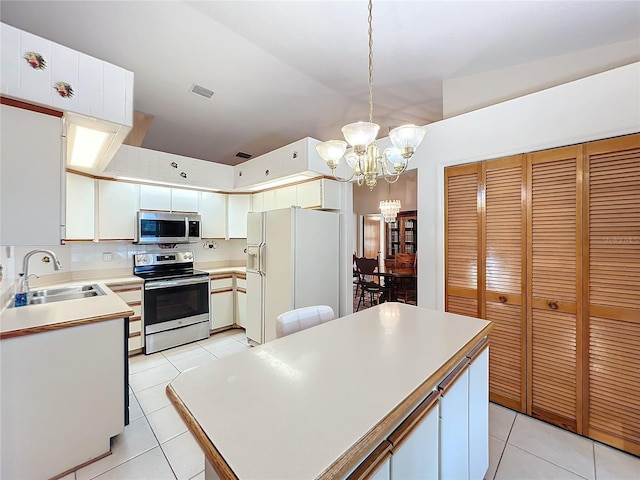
[[415, 444], [117, 208], [454, 424], [257, 202], [286, 197], [321, 193], [237, 209], [241, 300], [155, 197], [80, 218], [269, 200], [131, 293], [98, 89], [222, 301], [183, 200], [479, 415], [31, 169], [63, 396], [213, 210]]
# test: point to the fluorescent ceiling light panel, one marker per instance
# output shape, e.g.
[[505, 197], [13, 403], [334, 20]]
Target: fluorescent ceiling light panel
[[87, 145], [283, 181]]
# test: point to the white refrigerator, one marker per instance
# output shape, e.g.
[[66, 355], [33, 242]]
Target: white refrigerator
[[293, 258]]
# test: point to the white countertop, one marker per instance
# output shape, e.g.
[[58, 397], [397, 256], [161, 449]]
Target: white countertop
[[35, 318], [290, 408], [43, 317]]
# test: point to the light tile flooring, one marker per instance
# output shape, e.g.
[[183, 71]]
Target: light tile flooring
[[156, 444]]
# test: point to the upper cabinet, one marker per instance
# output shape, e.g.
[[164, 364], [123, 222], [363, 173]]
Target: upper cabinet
[[32, 177], [81, 204], [117, 206], [238, 207], [320, 194], [154, 197], [213, 210], [39, 71]]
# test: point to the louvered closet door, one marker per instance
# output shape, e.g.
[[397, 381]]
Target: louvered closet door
[[461, 239], [505, 276], [553, 286], [613, 291]]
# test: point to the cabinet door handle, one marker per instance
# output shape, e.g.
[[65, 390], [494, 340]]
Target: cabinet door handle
[[502, 299], [553, 305]]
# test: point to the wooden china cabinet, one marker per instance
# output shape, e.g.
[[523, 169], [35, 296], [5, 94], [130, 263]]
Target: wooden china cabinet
[[402, 235]]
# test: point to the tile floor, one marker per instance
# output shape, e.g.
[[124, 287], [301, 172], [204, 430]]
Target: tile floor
[[156, 444]]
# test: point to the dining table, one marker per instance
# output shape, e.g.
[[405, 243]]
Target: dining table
[[390, 276]]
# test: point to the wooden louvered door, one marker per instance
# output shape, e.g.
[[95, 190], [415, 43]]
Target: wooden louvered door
[[612, 292], [462, 239], [504, 293], [554, 275]]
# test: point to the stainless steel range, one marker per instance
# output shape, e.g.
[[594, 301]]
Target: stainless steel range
[[175, 301]]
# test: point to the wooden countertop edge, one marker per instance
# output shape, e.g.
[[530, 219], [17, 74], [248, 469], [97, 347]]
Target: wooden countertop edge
[[210, 452], [71, 323], [352, 457]]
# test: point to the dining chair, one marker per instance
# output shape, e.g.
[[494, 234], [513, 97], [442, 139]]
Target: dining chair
[[369, 281], [406, 287], [302, 318]]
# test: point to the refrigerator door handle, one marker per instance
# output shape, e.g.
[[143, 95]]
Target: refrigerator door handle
[[261, 258]]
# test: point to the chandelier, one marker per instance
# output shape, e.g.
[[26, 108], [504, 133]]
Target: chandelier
[[365, 159], [390, 208]]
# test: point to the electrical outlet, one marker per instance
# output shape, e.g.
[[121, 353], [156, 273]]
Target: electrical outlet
[[107, 257]]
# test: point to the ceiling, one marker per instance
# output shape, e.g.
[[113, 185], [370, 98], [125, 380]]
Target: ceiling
[[284, 70]]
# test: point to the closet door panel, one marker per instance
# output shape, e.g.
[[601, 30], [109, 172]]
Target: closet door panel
[[505, 276], [612, 291], [554, 277], [461, 244]]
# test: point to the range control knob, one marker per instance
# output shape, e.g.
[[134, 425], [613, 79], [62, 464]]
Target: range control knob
[[142, 259]]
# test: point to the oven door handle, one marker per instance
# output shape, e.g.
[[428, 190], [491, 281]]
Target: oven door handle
[[152, 285]]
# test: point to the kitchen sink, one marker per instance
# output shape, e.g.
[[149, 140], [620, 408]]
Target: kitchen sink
[[49, 295]]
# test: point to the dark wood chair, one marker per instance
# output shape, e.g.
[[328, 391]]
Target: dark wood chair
[[406, 287], [369, 281]]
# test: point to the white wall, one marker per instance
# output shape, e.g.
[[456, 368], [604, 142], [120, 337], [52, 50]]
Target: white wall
[[471, 92], [599, 106]]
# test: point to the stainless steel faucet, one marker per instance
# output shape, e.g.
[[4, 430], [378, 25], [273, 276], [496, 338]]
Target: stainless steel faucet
[[25, 265]]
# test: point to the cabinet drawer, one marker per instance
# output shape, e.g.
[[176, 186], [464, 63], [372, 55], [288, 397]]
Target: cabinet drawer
[[130, 296], [135, 327], [241, 282], [224, 281], [137, 310], [135, 343]]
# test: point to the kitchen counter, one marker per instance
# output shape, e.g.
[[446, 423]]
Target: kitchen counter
[[38, 318], [314, 404], [32, 319]]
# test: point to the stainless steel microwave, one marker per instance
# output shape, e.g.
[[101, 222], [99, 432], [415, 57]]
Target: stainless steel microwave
[[164, 227]]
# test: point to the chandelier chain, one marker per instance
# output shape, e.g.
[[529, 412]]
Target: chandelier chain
[[370, 62]]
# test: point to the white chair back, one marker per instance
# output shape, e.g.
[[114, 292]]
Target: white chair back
[[301, 318]]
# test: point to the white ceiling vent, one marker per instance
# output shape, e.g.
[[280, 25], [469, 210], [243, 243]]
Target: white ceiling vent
[[201, 91]]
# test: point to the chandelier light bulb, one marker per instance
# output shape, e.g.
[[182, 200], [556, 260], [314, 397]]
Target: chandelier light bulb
[[332, 151], [360, 134]]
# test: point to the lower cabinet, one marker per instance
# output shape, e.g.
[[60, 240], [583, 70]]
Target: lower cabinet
[[222, 300], [415, 450], [445, 437], [241, 300], [131, 293], [454, 426]]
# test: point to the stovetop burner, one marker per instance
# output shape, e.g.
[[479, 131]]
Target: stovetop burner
[[167, 274], [165, 265]]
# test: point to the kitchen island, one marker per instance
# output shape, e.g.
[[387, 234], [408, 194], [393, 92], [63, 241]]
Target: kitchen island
[[331, 401], [64, 384]]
